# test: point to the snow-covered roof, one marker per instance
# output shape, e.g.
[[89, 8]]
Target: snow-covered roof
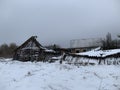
[[100, 53], [49, 50]]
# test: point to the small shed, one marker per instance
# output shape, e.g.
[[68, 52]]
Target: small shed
[[32, 50]]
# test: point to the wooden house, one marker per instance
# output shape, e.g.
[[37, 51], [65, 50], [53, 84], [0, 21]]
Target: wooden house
[[32, 50]]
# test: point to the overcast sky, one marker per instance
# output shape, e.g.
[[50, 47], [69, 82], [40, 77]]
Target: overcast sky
[[58, 21]]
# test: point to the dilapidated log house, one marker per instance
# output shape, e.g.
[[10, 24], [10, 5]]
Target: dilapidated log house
[[32, 50]]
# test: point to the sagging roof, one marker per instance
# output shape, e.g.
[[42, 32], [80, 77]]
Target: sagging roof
[[32, 38]]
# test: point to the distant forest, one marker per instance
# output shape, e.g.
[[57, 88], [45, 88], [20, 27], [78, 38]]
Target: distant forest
[[7, 51]]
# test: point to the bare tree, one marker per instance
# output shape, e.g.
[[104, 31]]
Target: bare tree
[[108, 40], [108, 43]]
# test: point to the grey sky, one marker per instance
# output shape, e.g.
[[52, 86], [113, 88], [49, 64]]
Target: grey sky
[[57, 21]]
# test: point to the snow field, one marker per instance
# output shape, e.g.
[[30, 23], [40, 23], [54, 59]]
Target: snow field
[[15, 75]]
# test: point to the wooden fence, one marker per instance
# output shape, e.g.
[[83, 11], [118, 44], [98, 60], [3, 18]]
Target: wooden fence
[[92, 60]]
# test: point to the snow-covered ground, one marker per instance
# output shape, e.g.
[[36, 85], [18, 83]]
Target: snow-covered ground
[[15, 75]]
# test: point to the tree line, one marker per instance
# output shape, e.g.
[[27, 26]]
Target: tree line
[[6, 50], [109, 43]]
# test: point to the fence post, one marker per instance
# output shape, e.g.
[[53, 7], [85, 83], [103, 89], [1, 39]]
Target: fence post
[[100, 59]]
